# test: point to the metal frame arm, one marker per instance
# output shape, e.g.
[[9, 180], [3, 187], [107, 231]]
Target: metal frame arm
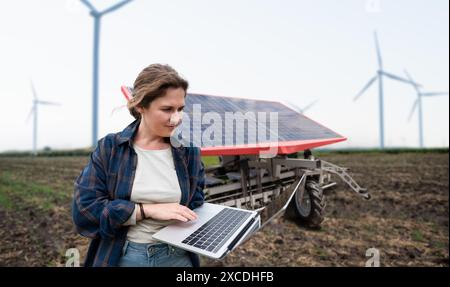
[[341, 172]]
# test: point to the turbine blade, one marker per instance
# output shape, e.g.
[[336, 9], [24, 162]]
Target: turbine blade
[[365, 88], [33, 89], [413, 109], [398, 78], [295, 107], [408, 75], [434, 94], [48, 103], [377, 46], [30, 114], [89, 5], [412, 81], [115, 7], [309, 106]]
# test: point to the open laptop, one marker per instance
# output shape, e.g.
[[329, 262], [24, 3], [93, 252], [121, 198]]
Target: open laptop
[[217, 230]]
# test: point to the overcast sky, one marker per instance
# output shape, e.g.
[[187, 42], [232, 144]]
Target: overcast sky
[[291, 50]]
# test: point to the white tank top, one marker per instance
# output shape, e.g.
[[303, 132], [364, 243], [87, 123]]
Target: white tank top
[[155, 181]]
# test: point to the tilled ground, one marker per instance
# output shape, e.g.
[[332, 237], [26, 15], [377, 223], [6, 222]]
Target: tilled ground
[[406, 220]]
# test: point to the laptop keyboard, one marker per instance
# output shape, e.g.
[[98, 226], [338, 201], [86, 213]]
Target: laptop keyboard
[[212, 235]]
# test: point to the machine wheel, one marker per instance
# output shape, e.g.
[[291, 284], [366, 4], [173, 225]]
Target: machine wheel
[[310, 211]]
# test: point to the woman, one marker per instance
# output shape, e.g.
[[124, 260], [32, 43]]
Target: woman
[[137, 182]]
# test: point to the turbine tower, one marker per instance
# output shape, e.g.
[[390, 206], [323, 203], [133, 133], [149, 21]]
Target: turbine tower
[[418, 105], [34, 113], [97, 15], [379, 76]]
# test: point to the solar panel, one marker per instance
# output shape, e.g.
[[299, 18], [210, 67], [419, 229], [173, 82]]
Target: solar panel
[[236, 126]]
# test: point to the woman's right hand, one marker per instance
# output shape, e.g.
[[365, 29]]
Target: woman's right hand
[[168, 211]]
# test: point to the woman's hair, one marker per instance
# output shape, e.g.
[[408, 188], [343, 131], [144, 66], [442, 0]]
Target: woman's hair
[[152, 83]]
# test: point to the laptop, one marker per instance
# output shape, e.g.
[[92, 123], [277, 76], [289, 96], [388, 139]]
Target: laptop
[[217, 230], [220, 229]]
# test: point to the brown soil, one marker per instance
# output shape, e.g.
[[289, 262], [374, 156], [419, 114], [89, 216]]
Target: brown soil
[[406, 220]]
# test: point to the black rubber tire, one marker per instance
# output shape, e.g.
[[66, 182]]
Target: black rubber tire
[[311, 212]]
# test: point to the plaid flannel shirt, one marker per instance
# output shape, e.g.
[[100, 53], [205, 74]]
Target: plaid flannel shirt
[[101, 202]]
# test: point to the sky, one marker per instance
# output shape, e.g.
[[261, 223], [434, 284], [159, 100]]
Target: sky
[[295, 51]]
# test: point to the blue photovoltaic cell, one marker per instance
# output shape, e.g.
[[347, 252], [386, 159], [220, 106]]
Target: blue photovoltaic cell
[[292, 126]]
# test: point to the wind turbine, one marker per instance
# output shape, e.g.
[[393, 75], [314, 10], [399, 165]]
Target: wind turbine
[[97, 15], [379, 76], [418, 104], [34, 113], [303, 110]]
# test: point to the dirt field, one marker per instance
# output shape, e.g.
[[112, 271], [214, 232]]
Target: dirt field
[[407, 219]]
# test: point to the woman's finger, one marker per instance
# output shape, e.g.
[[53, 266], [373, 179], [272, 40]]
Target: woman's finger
[[192, 213], [186, 214], [179, 217]]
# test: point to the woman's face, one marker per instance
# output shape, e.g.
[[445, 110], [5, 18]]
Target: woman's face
[[165, 113]]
